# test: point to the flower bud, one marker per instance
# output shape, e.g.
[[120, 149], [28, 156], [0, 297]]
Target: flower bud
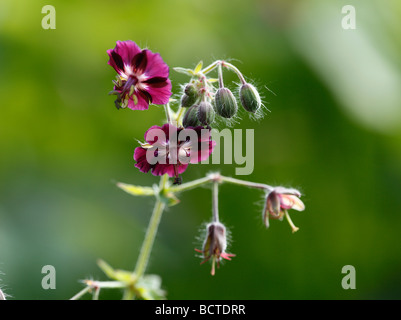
[[205, 113], [190, 90], [249, 97], [191, 118], [190, 96], [187, 101], [215, 244], [226, 105]]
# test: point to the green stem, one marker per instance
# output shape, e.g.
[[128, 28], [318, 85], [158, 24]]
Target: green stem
[[210, 67], [81, 293], [215, 201], [151, 231], [235, 69], [180, 114], [219, 178], [248, 184], [189, 185], [167, 110], [220, 74]]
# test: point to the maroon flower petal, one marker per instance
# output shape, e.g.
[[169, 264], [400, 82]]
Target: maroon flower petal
[[156, 67], [127, 50], [139, 104], [140, 157], [160, 91], [115, 61], [139, 62], [160, 169], [156, 136]]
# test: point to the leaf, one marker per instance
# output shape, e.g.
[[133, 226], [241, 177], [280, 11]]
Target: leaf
[[212, 80], [198, 67], [107, 269], [188, 72], [136, 190]]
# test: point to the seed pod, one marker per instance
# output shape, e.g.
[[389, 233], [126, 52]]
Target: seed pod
[[205, 113], [226, 105], [249, 97], [191, 118]]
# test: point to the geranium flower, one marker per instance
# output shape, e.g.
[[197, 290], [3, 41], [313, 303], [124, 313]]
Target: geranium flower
[[169, 149], [215, 245], [278, 201], [142, 76]]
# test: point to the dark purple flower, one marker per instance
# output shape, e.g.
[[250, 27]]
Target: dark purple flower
[[169, 149], [142, 76]]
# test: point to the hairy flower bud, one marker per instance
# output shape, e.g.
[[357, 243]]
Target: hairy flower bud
[[215, 244], [190, 90], [191, 117], [187, 101], [249, 97], [205, 113], [190, 96], [226, 105]]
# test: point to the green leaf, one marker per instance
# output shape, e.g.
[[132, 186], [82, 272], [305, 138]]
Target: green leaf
[[188, 72], [136, 190], [106, 268], [198, 67], [212, 80]]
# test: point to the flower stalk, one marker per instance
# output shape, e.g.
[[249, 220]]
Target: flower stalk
[[146, 249]]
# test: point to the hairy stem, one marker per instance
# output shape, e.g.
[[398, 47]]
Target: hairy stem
[[235, 69], [151, 232], [219, 178], [215, 201]]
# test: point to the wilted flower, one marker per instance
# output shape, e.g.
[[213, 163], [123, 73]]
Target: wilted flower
[[278, 201], [142, 76], [169, 149], [215, 245]]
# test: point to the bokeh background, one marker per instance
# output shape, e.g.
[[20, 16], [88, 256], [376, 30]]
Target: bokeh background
[[334, 132]]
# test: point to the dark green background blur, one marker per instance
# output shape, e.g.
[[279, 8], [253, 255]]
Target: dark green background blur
[[333, 132]]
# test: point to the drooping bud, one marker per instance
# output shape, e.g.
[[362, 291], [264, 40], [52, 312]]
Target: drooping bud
[[190, 96], [226, 105], [250, 98], [215, 244], [278, 201], [191, 117], [205, 113]]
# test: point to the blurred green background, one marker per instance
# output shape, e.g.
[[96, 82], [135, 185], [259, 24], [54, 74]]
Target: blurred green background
[[334, 132]]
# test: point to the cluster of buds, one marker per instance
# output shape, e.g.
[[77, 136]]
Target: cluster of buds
[[205, 103]]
